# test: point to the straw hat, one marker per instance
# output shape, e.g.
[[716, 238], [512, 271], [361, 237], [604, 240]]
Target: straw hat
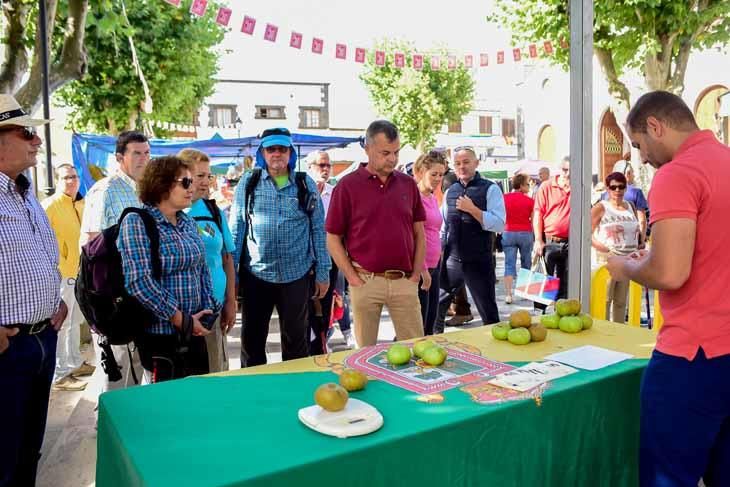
[[12, 114]]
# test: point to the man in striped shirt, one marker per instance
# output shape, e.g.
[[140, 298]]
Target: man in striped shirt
[[105, 202], [31, 309]]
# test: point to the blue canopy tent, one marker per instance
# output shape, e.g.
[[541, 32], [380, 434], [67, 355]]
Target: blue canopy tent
[[93, 154]]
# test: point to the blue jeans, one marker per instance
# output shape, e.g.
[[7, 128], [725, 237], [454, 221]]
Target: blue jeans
[[26, 372], [685, 421], [511, 243], [430, 300]]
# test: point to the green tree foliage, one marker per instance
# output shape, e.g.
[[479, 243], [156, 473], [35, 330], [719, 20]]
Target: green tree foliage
[[654, 37], [176, 53], [418, 102]]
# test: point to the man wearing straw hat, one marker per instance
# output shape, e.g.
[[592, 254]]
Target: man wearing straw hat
[[31, 309]]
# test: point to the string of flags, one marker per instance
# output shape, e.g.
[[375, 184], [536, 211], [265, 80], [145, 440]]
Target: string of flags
[[317, 46]]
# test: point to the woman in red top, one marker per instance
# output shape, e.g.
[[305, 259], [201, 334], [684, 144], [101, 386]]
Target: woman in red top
[[517, 231]]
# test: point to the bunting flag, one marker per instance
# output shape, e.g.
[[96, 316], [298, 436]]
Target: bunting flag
[[248, 26], [399, 60], [224, 16], [418, 61], [533, 50], [435, 63], [516, 54], [548, 48], [198, 7], [451, 62], [341, 51], [563, 43], [317, 45], [359, 55], [295, 40], [484, 59], [271, 32], [500, 57], [174, 3], [469, 61], [380, 58]]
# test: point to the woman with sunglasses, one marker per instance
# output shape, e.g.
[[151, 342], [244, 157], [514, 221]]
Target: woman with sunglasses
[[616, 231], [182, 300]]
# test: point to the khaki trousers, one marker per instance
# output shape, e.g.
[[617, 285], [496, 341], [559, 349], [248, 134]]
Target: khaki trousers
[[216, 344], [400, 296], [618, 293]]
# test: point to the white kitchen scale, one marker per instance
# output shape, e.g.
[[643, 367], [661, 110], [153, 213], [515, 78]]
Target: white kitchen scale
[[358, 418]]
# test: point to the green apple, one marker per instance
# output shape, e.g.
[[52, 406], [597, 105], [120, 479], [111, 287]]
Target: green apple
[[353, 380], [587, 321], [434, 355], [500, 331], [421, 346], [398, 354], [575, 306], [519, 336], [550, 321], [571, 324], [563, 307]]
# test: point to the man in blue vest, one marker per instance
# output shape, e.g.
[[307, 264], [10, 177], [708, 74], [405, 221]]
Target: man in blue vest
[[473, 212]]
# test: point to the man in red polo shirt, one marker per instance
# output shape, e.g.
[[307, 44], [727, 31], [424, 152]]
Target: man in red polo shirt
[[685, 394], [376, 237], [551, 225]]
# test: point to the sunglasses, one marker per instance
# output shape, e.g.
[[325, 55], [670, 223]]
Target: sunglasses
[[435, 154], [464, 147], [617, 187], [276, 131], [185, 182], [26, 133], [276, 148]]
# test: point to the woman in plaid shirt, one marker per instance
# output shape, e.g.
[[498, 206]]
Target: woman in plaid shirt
[[182, 300]]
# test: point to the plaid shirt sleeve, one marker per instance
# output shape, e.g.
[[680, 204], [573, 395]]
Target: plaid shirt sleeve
[[324, 263], [134, 248], [237, 220]]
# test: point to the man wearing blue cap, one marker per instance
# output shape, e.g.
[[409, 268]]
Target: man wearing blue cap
[[277, 222]]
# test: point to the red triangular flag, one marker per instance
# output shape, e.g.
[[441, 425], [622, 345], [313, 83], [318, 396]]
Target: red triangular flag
[[295, 40], [359, 55], [198, 7], [452, 62], [399, 60], [563, 43], [379, 58], [317, 45], [271, 32], [418, 61], [500, 57], [516, 54], [533, 50], [341, 51], [548, 47]]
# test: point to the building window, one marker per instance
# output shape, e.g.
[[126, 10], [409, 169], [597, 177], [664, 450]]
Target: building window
[[485, 124], [508, 127], [455, 127], [270, 112], [222, 115], [310, 118]]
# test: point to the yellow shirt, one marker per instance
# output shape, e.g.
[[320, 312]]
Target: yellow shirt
[[65, 217]]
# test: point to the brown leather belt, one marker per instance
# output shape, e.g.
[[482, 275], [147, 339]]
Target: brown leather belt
[[391, 275]]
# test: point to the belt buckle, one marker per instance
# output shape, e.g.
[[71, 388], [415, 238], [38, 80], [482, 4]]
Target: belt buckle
[[36, 328], [390, 275]]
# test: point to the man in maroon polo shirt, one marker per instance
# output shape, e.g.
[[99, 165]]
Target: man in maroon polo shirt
[[551, 225], [376, 237]]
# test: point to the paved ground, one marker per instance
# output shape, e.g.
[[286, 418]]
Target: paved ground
[[69, 453]]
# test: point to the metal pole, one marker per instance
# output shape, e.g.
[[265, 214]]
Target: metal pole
[[42, 27], [581, 153]]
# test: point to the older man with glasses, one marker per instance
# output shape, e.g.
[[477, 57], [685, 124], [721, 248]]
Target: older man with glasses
[[31, 308], [277, 223]]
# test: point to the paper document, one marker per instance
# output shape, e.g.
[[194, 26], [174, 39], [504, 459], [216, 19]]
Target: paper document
[[589, 357], [531, 375]]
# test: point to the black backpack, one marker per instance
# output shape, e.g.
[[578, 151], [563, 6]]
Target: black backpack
[[215, 214], [100, 291]]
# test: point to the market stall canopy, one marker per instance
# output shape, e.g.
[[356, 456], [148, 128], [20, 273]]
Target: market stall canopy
[[93, 155]]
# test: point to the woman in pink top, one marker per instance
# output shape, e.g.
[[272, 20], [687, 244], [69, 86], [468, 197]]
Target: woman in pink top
[[517, 231], [429, 171]]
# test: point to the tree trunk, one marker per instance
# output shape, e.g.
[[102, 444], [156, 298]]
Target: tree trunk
[[16, 55], [72, 60], [616, 87]]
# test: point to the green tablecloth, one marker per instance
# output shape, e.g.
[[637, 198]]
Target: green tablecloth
[[244, 431]]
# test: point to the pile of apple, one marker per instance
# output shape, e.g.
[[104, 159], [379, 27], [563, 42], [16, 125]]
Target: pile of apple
[[519, 330], [333, 397], [426, 350], [567, 317]]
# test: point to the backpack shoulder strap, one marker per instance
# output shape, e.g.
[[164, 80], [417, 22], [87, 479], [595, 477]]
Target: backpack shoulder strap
[[251, 184], [214, 212], [300, 178], [153, 234]]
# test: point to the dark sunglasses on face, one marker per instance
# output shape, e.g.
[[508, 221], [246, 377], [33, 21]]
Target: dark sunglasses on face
[[276, 148], [617, 187], [27, 133], [185, 182]]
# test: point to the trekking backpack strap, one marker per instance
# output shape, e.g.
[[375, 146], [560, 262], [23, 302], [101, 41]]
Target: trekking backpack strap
[[248, 196], [153, 234], [303, 195], [215, 214]]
